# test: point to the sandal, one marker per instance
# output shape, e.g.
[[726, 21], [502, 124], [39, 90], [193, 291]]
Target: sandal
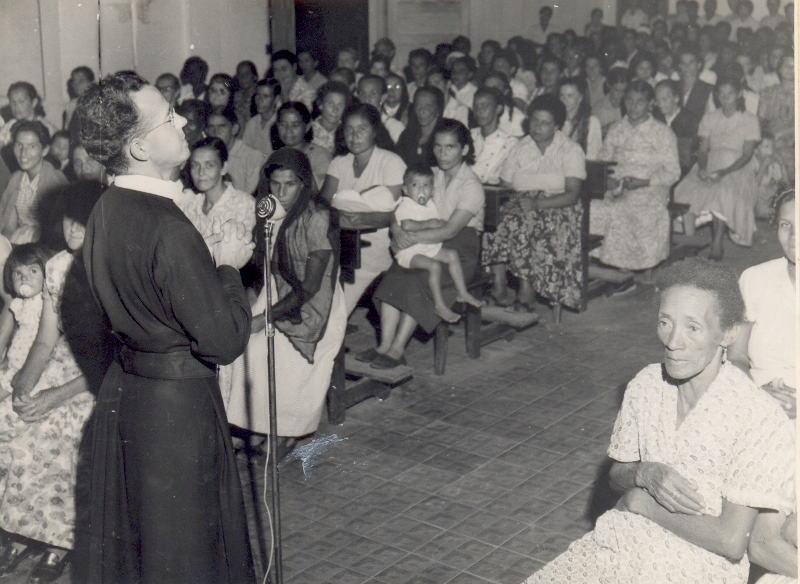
[[386, 362], [367, 356]]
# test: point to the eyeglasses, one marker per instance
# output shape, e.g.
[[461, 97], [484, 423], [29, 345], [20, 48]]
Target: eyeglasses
[[170, 120]]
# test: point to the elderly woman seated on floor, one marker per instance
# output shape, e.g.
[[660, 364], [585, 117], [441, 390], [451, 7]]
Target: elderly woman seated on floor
[[698, 449], [538, 236]]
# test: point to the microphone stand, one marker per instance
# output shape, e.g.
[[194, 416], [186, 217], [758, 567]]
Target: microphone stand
[[265, 210]]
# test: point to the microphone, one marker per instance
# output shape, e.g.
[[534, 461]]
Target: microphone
[[266, 207]]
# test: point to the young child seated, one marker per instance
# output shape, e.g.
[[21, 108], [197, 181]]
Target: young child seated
[[770, 173], [416, 212], [24, 277]]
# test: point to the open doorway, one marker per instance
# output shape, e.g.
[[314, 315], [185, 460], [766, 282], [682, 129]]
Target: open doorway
[[325, 27]]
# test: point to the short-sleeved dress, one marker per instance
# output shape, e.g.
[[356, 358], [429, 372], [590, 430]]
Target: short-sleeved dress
[[408, 290], [384, 168], [233, 204], [735, 444], [38, 461], [733, 197], [769, 296], [542, 246], [635, 225], [490, 153]]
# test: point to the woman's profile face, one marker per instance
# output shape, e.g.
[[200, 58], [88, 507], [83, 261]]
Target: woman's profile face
[[787, 220], [206, 169], [332, 108], [689, 328], [218, 94], [285, 186], [74, 233], [426, 108], [541, 126], [449, 153], [359, 135], [291, 128], [28, 151], [22, 106]]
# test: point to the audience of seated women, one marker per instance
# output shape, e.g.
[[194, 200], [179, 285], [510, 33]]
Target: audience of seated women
[[332, 99], [293, 130], [258, 131], [723, 182], [492, 145], [633, 217], [538, 235], [458, 195], [367, 163]]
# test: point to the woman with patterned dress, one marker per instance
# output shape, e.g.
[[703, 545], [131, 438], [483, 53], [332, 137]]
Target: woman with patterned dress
[[723, 182], [633, 217], [698, 449], [39, 448], [538, 236]]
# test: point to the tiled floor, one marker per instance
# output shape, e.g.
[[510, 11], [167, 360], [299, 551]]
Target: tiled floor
[[481, 475]]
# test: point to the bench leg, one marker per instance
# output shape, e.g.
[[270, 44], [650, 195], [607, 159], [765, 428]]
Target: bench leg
[[440, 347], [472, 331], [335, 398]]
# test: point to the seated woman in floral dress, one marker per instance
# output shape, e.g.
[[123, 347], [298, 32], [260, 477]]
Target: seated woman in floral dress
[[698, 449], [538, 236], [633, 217]]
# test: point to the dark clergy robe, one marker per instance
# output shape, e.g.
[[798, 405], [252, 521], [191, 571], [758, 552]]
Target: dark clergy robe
[[165, 501]]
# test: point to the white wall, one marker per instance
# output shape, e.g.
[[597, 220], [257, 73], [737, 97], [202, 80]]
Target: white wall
[[41, 41]]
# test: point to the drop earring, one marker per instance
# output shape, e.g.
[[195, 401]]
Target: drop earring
[[724, 354]]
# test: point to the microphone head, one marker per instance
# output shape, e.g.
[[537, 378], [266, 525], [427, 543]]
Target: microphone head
[[266, 207]]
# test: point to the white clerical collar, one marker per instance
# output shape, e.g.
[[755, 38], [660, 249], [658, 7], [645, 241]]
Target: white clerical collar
[[147, 184]]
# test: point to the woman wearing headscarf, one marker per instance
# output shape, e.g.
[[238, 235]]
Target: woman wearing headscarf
[[308, 312]]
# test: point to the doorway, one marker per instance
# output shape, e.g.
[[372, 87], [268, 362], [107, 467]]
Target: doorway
[[325, 27]]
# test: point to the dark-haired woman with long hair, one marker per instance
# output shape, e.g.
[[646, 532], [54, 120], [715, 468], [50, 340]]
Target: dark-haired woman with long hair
[[367, 163], [538, 236], [580, 126], [292, 129], [405, 296], [723, 182], [415, 145], [308, 309]]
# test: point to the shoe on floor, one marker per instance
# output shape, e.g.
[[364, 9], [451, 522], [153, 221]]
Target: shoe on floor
[[367, 356], [386, 362]]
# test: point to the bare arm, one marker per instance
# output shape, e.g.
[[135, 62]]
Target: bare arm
[[49, 399], [768, 548], [413, 226], [457, 221], [665, 484], [6, 328], [572, 190], [726, 535], [742, 161], [329, 188], [40, 352]]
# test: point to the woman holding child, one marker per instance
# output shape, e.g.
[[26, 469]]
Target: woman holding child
[[405, 295]]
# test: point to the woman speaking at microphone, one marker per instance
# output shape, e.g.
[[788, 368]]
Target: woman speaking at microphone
[[308, 311]]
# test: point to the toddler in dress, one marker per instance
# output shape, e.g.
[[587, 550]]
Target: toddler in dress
[[24, 277], [417, 212]]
